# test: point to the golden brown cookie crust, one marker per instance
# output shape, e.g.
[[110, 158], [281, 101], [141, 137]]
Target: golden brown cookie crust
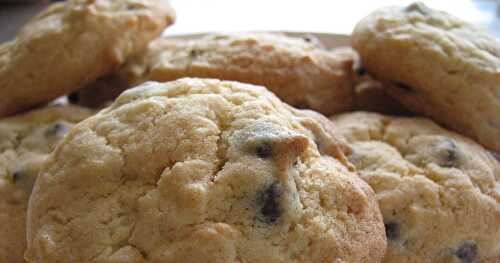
[[73, 43], [438, 191], [442, 66], [25, 142], [201, 170], [299, 72]]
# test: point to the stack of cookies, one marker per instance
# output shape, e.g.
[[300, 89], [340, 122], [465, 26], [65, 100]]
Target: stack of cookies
[[217, 149]]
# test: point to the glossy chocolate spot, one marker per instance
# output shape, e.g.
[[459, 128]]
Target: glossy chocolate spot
[[270, 209], [467, 251], [74, 97], [418, 7], [403, 86], [449, 153], [392, 230], [264, 151]]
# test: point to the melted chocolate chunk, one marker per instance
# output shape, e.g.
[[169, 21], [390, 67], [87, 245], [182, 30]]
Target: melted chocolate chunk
[[74, 97], [269, 199], [449, 156], [467, 251], [403, 86], [392, 230], [264, 151]]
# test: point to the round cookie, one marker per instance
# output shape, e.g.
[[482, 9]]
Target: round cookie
[[297, 70], [202, 170], [71, 44], [440, 65], [25, 142], [439, 192]]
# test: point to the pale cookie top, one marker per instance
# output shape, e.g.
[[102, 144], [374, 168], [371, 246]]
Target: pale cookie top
[[200, 170], [444, 67], [297, 70], [25, 142], [439, 192], [73, 43]]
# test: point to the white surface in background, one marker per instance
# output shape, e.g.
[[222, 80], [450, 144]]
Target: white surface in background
[[333, 16]]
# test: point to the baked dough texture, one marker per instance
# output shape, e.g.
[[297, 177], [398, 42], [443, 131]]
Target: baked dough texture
[[442, 67], [299, 71], [25, 142], [202, 170], [438, 191], [71, 44]]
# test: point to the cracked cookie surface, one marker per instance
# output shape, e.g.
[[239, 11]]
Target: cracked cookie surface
[[441, 66], [202, 170], [25, 142], [438, 191], [73, 43], [297, 70]]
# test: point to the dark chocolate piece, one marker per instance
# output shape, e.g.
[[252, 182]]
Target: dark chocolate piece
[[264, 150], [450, 153], [467, 251], [392, 230], [74, 97], [269, 199]]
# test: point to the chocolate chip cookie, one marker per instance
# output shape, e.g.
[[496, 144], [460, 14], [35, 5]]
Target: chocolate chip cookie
[[25, 142], [297, 70], [440, 66], [202, 170], [438, 191], [71, 44]]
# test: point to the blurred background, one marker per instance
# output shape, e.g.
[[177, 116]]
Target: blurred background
[[327, 16]]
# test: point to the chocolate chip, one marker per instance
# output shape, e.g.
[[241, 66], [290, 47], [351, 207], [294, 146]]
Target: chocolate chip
[[74, 97], [467, 251], [418, 7], [403, 86], [16, 176], [194, 53], [301, 105], [360, 71], [58, 129], [392, 230], [264, 150], [270, 205], [449, 156], [131, 7]]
